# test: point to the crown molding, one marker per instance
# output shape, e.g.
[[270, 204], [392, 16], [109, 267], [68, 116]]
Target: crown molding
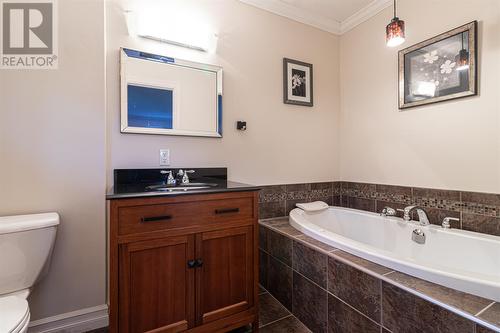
[[364, 14], [283, 9], [323, 23]]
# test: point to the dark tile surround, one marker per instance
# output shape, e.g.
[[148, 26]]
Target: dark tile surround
[[479, 212], [361, 296]]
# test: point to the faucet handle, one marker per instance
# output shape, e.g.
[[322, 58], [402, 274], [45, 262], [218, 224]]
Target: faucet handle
[[406, 214], [446, 222], [170, 179], [185, 177], [388, 211]]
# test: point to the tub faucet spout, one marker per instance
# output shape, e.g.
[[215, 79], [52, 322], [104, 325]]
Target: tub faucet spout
[[422, 214]]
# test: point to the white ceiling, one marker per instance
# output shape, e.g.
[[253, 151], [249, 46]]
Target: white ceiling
[[335, 16]]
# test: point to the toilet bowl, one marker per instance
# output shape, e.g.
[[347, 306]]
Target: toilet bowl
[[26, 244], [15, 314]]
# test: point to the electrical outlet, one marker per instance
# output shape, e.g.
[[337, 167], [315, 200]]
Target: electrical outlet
[[164, 156]]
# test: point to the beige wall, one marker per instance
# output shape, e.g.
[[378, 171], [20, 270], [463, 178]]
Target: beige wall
[[283, 143], [52, 157], [453, 145]]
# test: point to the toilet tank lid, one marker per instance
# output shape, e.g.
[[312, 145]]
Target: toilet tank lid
[[17, 223]]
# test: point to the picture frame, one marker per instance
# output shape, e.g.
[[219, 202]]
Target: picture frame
[[297, 82], [435, 70]]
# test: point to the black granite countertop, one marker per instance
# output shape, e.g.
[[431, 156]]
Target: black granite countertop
[[139, 191], [134, 183]]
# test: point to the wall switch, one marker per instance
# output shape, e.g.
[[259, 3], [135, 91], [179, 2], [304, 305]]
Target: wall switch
[[164, 156]]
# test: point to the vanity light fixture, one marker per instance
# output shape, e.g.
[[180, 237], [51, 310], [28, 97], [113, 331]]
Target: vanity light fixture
[[179, 30], [395, 30], [462, 57], [172, 42]]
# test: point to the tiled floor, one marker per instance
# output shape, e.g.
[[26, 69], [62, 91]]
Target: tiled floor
[[273, 318]]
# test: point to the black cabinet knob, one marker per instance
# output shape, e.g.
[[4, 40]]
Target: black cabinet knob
[[191, 263], [199, 262]]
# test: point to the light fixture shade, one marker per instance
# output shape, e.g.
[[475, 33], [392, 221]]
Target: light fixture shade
[[395, 32]]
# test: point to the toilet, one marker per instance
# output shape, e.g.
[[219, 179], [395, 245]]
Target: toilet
[[26, 243]]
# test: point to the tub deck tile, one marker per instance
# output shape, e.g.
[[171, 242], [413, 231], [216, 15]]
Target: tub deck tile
[[280, 246], [343, 318], [279, 282], [355, 287], [492, 314], [315, 243], [281, 225], [405, 312], [366, 264], [460, 300], [309, 304], [310, 263], [481, 329]]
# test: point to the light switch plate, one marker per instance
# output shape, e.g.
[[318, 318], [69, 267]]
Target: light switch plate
[[164, 156]]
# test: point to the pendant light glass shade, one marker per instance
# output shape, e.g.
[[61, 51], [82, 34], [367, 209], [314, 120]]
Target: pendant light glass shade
[[395, 31], [462, 58]]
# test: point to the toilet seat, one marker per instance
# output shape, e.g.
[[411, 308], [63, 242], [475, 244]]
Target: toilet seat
[[15, 314]]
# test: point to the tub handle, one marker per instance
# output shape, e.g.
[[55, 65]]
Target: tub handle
[[446, 222], [388, 211]]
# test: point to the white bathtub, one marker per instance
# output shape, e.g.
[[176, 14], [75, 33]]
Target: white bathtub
[[463, 260]]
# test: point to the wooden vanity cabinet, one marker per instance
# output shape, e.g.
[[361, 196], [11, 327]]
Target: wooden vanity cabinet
[[183, 263]]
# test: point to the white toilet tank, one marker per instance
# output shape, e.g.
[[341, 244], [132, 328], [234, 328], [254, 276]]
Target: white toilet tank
[[26, 243]]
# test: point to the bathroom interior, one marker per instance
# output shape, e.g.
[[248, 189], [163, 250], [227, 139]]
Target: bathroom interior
[[250, 166]]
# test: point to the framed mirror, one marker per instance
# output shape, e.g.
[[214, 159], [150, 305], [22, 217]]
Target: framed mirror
[[168, 96]]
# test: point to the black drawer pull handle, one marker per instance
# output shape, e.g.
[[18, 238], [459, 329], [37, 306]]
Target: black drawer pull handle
[[155, 218], [227, 210]]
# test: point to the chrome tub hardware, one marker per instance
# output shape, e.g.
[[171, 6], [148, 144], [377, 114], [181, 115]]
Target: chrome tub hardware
[[422, 214], [446, 222], [418, 236], [388, 211]]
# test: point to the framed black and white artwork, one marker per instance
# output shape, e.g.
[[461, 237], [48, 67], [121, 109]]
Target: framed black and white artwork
[[439, 69], [297, 82]]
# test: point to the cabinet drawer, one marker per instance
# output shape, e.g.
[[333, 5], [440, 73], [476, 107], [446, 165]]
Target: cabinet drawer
[[139, 219]]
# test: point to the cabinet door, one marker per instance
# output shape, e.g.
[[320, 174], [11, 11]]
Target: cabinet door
[[156, 285], [225, 280]]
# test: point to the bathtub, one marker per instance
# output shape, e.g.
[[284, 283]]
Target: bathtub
[[463, 260]]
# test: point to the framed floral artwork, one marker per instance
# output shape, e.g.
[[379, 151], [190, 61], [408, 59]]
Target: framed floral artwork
[[297, 82], [439, 69]]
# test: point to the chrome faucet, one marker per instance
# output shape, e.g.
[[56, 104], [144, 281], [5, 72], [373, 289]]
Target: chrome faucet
[[183, 175], [170, 180], [422, 214]]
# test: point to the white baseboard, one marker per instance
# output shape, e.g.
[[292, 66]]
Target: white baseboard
[[72, 322]]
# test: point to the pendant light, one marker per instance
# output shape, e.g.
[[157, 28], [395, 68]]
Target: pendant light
[[462, 57], [395, 31]]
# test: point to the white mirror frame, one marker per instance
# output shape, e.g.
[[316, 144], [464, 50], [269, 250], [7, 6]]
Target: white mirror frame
[[170, 85]]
